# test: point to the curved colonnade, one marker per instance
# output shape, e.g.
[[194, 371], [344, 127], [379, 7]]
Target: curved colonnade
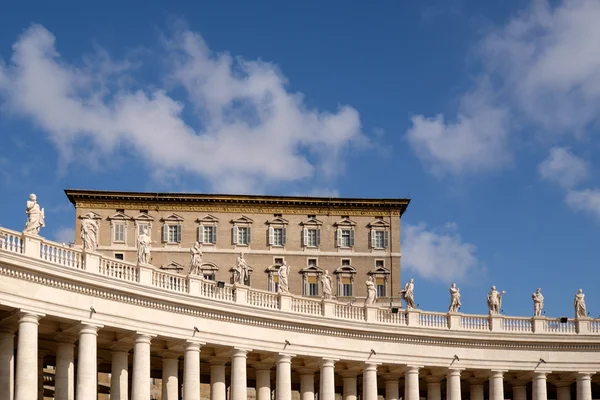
[[82, 313]]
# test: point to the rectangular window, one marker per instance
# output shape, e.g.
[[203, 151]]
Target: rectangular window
[[172, 233], [346, 262], [312, 285], [209, 276], [312, 237], [119, 232], [209, 234], [312, 262], [277, 236], [242, 237], [345, 237], [278, 261], [346, 283], [274, 283], [380, 283], [379, 239], [144, 227], [379, 264], [119, 256]]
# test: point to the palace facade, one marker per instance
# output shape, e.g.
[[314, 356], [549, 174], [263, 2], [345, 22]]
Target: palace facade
[[352, 239], [86, 325]]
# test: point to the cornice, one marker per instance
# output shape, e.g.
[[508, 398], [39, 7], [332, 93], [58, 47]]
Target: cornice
[[236, 203], [351, 331]]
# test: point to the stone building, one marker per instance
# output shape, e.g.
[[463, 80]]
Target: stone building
[[350, 238]]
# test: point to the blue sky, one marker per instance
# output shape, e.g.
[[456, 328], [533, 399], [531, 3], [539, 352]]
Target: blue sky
[[485, 114]]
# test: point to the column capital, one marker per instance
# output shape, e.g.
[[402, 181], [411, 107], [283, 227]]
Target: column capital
[[562, 383], [328, 362], [541, 374], [584, 375], [499, 373], [89, 328], [240, 352], [64, 338], [454, 371], [193, 345], [412, 369], [119, 347], [370, 366], [143, 337], [169, 354], [10, 329], [33, 317], [262, 366], [349, 374], [307, 371], [285, 358]]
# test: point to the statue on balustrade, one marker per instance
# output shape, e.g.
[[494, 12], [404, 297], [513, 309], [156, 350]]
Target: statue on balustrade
[[371, 291], [455, 303], [196, 259], [326, 285], [284, 273], [408, 294], [143, 243], [89, 232], [35, 216], [538, 302], [580, 310], [240, 271], [494, 301]]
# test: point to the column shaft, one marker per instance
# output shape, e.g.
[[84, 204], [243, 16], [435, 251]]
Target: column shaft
[[170, 378], [349, 387], [141, 367], [392, 389], [191, 371], [238, 375], [119, 375], [307, 386], [497, 385], [411, 383], [563, 391], [26, 379], [520, 392], [434, 389], [263, 384], [64, 377], [476, 391], [539, 386], [584, 386], [370, 382], [453, 384], [7, 364], [327, 390], [87, 364], [283, 381]]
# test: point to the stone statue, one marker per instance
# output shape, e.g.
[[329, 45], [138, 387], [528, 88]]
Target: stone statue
[[89, 232], [455, 303], [538, 302], [196, 259], [35, 216], [326, 284], [408, 294], [371, 291], [143, 243], [284, 273], [240, 271], [580, 310], [494, 301]]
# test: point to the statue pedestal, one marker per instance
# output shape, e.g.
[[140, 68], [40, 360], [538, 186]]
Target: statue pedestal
[[582, 325], [241, 293], [285, 301], [371, 313], [328, 308], [496, 322], [454, 320], [412, 317], [145, 274], [195, 285], [31, 245], [538, 324], [91, 261]]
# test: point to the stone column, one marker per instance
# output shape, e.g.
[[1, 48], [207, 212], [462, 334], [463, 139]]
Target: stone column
[[349, 381], [40, 370], [7, 363], [497, 385], [327, 389], [392, 388], [64, 376], [453, 384], [539, 386], [170, 375], [411, 383], [370, 381], [476, 391], [283, 380], [141, 367], [87, 365], [307, 384], [191, 371], [520, 391], [218, 387], [26, 383], [563, 390], [263, 382], [434, 388], [584, 386], [238, 375], [119, 374]]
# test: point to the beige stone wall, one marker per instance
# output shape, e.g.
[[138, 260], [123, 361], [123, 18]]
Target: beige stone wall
[[258, 254]]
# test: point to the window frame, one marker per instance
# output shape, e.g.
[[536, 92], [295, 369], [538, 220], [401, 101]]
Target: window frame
[[242, 222], [172, 221], [211, 222], [343, 274]]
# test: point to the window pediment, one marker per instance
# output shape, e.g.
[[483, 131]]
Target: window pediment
[[379, 271], [209, 219], [172, 218], [90, 215], [242, 220], [119, 217], [311, 269], [311, 222], [143, 217], [345, 222], [378, 223], [209, 267], [278, 221], [273, 268], [172, 266], [345, 269]]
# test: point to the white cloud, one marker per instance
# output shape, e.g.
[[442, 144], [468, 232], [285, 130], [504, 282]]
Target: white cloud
[[438, 254], [252, 130], [585, 200], [543, 68], [64, 235], [564, 168]]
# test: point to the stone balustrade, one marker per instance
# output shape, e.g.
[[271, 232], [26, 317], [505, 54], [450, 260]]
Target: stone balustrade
[[71, 258]]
